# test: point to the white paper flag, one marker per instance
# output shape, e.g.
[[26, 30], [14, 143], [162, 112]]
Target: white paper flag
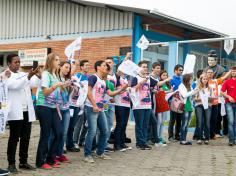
[[229, 46], [189, 64], [3, 104], [143, 43], [74, 46], [129, 68]]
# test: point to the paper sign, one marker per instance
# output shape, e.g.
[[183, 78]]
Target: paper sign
[[229, 46], [204, 98], [3, 104], [83, 92], [129, 68], [71, 48], [189, 64], [143, 43]]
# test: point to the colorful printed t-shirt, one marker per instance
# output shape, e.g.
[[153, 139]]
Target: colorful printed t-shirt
[[213, 84], [143, 93], [75, 92], [52, 99], [98, 91], [124, 98]]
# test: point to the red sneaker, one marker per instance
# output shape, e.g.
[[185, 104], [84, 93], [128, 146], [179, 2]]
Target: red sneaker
[[55, 165], [56, 161], [63, 159], [46, 166]]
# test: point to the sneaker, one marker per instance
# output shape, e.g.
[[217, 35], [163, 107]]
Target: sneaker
[[160, 144], [109, 149], [73, 149], [88, 159], [127, 140], [163, 141], [140, 147], [4, 172], [26, 166], [55, 165], [63, 159], [206, 142], [56, 161], [46, 166], [185, 143], [126, 147], [103, 156], [12, 169], [150, 142], [218, 136], [231, 144], [171, 139], [119, 149], [199, 142], [147, 147]]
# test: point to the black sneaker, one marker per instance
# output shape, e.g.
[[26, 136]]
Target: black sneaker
[[116, 148], [26, 166], [147, 147], [4, 172], [126, 147], [140, 147], [73, 149], [109, 149], [12, 168], [127, 140]]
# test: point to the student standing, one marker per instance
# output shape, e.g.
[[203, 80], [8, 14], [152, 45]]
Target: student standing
[[21, 113], [47, 109]]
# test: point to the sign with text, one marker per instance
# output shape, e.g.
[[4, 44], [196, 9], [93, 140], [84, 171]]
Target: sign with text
[[29, 55]]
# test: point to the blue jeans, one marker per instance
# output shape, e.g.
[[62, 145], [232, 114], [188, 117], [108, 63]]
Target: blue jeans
[[110, 113], [152, 128], [184, 125], [64, 128], [73, 121], [122, 116], [160, 125], [80, 130], [141, 117], [64, 125], [95, 120], [203, 117], [231, 115], [49, 120]]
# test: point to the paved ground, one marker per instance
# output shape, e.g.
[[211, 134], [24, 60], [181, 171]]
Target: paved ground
[[215, 159]]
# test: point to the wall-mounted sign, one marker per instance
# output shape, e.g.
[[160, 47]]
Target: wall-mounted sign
[[29, 55]]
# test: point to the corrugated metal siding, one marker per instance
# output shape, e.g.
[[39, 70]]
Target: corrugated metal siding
[[32, 18]]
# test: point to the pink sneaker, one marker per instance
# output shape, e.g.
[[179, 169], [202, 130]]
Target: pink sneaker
[[63, 159], [46, 166], [56, 161]]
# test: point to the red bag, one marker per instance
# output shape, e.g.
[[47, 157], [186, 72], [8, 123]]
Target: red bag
[[161, 103]]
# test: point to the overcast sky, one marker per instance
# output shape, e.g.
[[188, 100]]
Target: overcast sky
[[217, 15]]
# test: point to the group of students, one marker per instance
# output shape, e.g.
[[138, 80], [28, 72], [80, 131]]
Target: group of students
[[109, 94]]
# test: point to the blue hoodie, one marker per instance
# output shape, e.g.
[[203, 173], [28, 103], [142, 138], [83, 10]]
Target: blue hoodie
[[175, 82]]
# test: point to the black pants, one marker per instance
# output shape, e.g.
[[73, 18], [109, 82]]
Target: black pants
[[49, 121], [122, 116], [19, 130], [214, 116], [174, 117]]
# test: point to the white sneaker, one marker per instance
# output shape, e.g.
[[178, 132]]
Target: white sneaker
[[199, 142], [103, 156], [160, 144], [88, 159]]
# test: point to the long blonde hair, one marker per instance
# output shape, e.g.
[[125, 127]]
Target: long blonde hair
[[200, 84], [49, 62]]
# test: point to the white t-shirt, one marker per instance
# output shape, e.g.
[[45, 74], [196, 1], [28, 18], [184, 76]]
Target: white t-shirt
[[124, 98], [98, 91], [143, 95]]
